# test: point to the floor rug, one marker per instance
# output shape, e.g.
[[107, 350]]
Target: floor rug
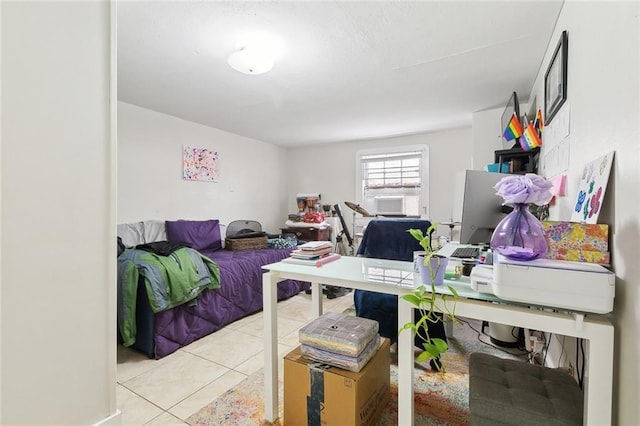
[[440, 398]]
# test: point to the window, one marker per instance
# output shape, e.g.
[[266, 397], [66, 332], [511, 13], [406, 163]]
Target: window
[[393, 182]]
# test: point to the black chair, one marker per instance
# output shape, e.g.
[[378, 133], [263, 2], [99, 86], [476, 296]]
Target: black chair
[[389, 239]]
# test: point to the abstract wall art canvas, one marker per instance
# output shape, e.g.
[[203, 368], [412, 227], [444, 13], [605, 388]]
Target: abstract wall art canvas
[[200, 164], [591, 190]]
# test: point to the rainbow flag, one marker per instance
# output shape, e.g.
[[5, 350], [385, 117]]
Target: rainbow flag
[[530, 138], [514, 128], [537, 123]]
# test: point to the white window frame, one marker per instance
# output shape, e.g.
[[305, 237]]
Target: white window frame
[[424, 172]]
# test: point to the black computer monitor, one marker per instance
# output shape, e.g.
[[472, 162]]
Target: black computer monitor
[[512, 107], [482, 208]]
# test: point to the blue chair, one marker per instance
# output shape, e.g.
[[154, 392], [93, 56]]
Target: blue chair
[[389, 239]]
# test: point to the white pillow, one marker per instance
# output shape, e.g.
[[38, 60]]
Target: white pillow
[[154, 230], [223, 231], [132, 234]]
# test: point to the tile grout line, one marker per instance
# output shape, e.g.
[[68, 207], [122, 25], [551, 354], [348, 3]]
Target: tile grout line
[[292, 301]]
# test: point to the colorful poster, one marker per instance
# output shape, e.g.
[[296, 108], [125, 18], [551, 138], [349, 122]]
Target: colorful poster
[[199, 164], [593, 184]]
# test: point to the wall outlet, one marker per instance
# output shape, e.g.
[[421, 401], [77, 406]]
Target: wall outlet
[[537, 344], [565, 369], [569, 369]]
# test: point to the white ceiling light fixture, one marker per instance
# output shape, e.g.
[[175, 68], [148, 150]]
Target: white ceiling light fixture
[[251, 60], [255, 53]]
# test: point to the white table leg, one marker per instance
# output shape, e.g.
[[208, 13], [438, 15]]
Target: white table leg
[[448, 328], [598, 381], [405, 365], [316, 299], [270, 309]]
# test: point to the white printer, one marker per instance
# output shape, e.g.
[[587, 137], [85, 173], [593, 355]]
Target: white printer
[[579, 286]]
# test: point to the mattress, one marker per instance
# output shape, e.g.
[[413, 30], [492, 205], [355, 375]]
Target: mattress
[[240, 295]]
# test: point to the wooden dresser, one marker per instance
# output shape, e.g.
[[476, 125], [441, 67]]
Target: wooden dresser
[[308, 234]]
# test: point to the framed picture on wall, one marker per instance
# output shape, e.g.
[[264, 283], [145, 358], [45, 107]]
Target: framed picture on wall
[[200, 164], [555, 80]]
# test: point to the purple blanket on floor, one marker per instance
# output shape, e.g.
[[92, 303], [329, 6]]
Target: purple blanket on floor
[[239, 295]]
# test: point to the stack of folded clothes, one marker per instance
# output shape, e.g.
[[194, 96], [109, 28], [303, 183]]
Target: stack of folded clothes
[[340, 340]]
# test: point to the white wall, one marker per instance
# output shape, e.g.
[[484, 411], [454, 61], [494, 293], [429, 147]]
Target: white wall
[[251, 185], [487, 137], [58, 217], [603, 91], [330, 169]]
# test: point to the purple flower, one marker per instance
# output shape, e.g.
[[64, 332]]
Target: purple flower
[[529, 188]]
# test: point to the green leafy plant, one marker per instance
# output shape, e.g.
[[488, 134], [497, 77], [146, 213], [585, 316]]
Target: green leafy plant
[[428, 302], [424, 239]]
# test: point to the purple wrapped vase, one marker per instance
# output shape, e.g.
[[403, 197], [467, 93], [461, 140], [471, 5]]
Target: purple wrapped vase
[[520, 235]]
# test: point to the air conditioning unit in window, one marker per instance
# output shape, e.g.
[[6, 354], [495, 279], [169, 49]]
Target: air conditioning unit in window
[[389, 205]]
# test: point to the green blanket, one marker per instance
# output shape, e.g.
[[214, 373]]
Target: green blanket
[[169, 280]]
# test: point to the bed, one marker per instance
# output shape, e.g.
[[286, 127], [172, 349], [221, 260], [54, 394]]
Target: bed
[[161, 333]]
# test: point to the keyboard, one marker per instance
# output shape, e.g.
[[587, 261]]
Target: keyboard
[[466, 252]]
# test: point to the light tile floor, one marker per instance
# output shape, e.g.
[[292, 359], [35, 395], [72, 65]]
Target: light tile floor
[[169, 390]]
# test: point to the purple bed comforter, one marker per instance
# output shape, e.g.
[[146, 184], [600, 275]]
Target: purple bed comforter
[[239, 295]]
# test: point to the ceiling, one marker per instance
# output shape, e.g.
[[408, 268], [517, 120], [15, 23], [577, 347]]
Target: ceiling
[[347, 70]]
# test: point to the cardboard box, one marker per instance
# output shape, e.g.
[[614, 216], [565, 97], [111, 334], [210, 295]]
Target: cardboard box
[[316, 394]]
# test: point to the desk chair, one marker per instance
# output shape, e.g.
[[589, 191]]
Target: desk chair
[[389, 239]]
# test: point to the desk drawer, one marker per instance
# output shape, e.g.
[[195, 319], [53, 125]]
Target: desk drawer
[[309, 234]]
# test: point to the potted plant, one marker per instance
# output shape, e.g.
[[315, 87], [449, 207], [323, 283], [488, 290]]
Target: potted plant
[[432, 265], [432, 307]]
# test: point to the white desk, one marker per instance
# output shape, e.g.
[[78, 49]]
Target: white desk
[[366, 273]]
